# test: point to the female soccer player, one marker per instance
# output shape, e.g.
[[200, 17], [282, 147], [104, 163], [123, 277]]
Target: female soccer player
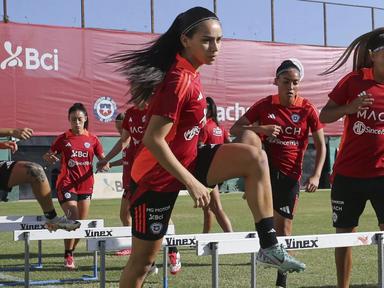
[[283, 122], [77, 148], [132, 131], [211, 134], [14, 173], [357, 176], [166, 74]]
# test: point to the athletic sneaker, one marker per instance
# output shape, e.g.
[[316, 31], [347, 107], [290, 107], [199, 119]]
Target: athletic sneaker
[[174, 262], [61, 223], [123, 252], [153, 270], [69, 262], [277, 257]]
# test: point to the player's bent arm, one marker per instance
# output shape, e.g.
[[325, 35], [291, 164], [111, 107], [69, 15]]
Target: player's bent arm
[[21, 133], [9, 145], [120, 145], [332, 112], [116, 163], [240, 126], [154, 139]]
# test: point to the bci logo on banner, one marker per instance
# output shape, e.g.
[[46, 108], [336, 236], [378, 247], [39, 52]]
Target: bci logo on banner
[[32, 59]]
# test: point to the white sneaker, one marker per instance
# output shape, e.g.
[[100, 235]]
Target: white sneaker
[[174, 263], [61, 223]]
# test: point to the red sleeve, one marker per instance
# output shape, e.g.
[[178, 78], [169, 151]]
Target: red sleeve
[[253, 114], [313, 119], [203, 135], [57, 145], [98, 148], [340, 93], [171, 94]]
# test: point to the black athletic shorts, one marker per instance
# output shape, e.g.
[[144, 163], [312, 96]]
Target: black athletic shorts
[[65, 196], [285, 191], [349, 196], [205, 156], [151, 213]]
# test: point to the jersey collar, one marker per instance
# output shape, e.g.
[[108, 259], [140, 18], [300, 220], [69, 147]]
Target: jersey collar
[[298, 101], [184, 63], [367, 74]]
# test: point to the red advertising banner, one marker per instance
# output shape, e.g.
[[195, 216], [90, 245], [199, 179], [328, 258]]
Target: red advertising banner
[[45, 69]]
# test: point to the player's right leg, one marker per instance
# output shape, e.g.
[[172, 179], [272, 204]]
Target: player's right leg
[[252, 164]]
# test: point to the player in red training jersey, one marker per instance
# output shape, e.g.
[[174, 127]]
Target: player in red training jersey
[[211, 134], [14, 173], [77, 148], [132, 131], [358, 172], [283, 122], [165, 74]]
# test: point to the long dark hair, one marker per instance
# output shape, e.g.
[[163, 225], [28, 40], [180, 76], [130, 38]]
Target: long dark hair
[[79, 107], [211, 107], [145, 68], [361, 47]]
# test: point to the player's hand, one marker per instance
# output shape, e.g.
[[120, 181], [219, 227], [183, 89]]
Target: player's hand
[[22, 133], [362, 102], [103, 165], [51, 157], [270, 130], [11, 145], [200, 194], [312, 184]]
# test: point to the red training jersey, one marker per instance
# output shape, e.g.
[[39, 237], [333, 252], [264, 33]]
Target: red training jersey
[[212, 133], [361, 151], [77, 152], [134, 121], [178, 98], [286, 151]]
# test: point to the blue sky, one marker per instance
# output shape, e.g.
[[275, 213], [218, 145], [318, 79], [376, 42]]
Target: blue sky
[[296, 21]]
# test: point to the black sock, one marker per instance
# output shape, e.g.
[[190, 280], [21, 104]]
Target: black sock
[[281, 279], [266, 232], [50, 214], [68, 253], [173, 249]]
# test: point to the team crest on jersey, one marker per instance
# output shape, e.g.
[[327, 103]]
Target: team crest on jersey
[[156, 227], [105, 109], [87, 144], [295, 118]]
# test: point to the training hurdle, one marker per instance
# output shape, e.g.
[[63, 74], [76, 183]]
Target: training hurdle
[[218, 247], [39, 235], [35, 222], [188, 240], [104, 245]]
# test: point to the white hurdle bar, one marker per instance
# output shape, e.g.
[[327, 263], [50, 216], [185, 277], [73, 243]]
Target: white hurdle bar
[[118, 243], [189, 240], [35, 222], [218, 247], [44, 234]]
